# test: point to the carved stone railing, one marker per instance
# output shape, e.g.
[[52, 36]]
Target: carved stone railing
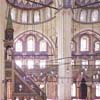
[[29, 83]]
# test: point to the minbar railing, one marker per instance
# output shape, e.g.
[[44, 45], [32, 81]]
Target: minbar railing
[[30, 82]]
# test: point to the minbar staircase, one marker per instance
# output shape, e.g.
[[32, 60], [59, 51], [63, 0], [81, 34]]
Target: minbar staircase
[[28, 88]]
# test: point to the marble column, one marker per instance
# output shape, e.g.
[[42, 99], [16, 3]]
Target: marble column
[[63, 28], [3, 6], [89, 91], [78, 92]]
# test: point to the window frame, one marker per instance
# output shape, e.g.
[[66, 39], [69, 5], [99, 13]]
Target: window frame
[[36, 13], [81, 14], [13, 17], [93, 13], [20, 45], [43, 66], [85, 65], [24, 17], [46, 48], [95, 46], [87, 44], [34, 40], [33, 64]]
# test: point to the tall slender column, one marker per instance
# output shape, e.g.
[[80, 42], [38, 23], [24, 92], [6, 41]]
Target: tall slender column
[[3, 9], [77, 90], [64, 25], [88, 90], [5, 91]]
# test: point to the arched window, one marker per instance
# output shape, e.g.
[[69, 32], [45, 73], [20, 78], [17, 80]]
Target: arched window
[[30, 64], [42, 64], [18, 63], [31, 43], [43, 45], [18, 46], [73, 90], [97, 63], [97, 46], [36, 16], [24, 17], [13, 14], [84, 43], [83, 16], [98, 89], [94, 16]]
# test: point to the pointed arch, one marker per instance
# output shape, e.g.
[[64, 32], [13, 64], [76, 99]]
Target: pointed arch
[[47, 39]]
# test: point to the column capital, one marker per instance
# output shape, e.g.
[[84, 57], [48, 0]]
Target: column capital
[[64, 11]]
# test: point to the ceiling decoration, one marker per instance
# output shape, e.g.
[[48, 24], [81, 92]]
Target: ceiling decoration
[[34, 4], [86, 11], [88, 3]]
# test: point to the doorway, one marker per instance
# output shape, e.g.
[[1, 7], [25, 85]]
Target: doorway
[[83, 89]]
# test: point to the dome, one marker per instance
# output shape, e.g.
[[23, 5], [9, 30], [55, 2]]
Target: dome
[[87, 11], [33, 11], [90, 3], [32, 4]]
